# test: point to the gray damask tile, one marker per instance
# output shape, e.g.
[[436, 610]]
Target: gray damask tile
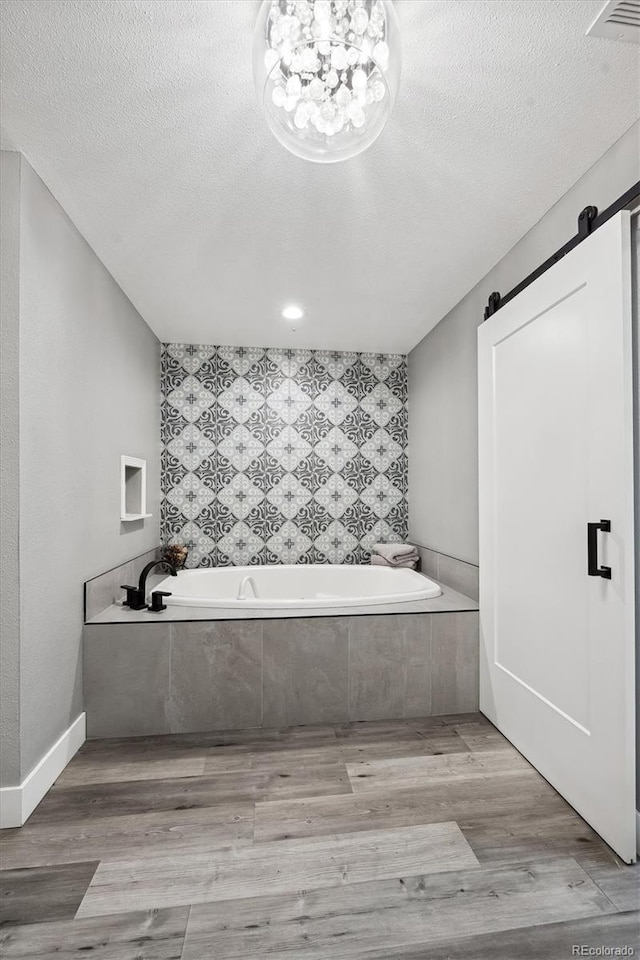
[[335, 362], [241, 400], [289, 495], [336, 542], [190, 494], [189, 356], [380, 532], [241, 545], [240, 496], [288, 448], [241, 360], [381, 404], [282, 456], [335, 496], [240, 447], [288, 543], [381, 450], [191, 447], [198, 538], [382, 365], [190, 399], [336, 449], [381, 496], [335, 402]]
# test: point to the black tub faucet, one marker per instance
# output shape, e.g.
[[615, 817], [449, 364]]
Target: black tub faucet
[[136, 596]]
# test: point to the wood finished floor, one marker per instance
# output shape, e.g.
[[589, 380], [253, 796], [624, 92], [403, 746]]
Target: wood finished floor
[[405, 840]]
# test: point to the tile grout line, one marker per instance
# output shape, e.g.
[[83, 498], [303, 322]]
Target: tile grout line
[[430, 622], [262, 673], [349, 624], [170, 674]]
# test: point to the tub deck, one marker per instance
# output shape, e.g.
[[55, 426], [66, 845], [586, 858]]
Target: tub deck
[[450, 601]]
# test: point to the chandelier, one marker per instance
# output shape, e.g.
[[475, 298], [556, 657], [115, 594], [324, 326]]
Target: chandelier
[[326, 73]]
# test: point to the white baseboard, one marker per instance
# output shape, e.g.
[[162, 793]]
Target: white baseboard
[[18, 803]]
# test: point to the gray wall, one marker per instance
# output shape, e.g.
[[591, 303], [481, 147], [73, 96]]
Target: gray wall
[[443, 440], [9, 468], [89, 391]]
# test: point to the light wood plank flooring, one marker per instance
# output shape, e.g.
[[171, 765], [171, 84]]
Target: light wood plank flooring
[[404, 840]]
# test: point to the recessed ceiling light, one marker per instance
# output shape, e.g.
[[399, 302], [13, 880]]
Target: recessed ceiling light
[[293, 313]]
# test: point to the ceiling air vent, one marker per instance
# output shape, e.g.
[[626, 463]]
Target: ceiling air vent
[[618, 20]]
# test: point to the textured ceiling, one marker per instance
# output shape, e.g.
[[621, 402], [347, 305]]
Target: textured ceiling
[[140, 116]]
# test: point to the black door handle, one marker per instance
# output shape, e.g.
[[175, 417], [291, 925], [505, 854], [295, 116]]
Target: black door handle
[[592, 549]]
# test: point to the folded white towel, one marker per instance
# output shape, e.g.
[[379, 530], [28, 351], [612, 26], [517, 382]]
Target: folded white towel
[[396, 552], [378, 561]]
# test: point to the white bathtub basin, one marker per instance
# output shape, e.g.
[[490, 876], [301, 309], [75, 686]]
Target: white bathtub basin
[[296, 586]]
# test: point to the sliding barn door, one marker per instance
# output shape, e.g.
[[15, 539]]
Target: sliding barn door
[[556, 529]]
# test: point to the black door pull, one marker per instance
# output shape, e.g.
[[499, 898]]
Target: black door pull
[[592, 549]]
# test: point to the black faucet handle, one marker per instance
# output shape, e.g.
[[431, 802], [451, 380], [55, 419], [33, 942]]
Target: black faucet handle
[[135, 599], [157, 606], [132, 595]]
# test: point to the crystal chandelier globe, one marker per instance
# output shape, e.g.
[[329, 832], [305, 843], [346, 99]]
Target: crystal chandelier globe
[[326, 73]]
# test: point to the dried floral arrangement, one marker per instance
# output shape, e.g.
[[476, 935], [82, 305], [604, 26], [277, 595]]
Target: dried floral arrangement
[[176, 553]]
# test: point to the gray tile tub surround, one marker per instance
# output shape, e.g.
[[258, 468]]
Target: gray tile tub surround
[[455, 644], [305, 671], [189, 677], [459, 574], [390, 667], [216, 675], [172, 678], [104, 590], [127, 675]]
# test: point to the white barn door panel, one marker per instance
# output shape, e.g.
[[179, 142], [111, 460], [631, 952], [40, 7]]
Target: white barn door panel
[[556, 454]]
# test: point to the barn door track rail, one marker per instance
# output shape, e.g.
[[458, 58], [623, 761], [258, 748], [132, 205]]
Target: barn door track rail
[[588, 221]]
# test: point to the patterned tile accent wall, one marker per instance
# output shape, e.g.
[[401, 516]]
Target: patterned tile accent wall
[[282, 456]]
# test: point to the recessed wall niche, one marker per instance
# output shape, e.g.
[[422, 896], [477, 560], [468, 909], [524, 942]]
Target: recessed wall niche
[[133, 489]]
